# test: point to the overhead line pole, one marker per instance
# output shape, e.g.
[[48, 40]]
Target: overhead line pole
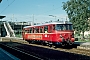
[[33, 20]]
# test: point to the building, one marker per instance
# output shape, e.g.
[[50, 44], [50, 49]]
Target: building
[[11, 29]]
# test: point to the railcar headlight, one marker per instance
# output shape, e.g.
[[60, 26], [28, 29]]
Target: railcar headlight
[[64, 34]]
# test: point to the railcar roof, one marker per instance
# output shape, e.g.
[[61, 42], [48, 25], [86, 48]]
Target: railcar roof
[[58, 22]]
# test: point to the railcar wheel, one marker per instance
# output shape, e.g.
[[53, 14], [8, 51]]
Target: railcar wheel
[[54, 46], [70, 43], [62, 44], [43, 43], [50, 44], [33, 42], [30, 42]]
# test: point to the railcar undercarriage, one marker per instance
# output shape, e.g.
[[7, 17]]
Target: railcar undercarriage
[[51, 44]]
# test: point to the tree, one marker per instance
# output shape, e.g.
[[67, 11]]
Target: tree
[[0, 1], [78, 13]]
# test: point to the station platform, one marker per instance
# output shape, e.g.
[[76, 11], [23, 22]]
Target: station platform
[[83, 45], [4, 55]]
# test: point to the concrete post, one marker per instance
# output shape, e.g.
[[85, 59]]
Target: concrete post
[[0, 38]]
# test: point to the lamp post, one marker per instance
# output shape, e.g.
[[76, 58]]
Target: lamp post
[[21, 28]]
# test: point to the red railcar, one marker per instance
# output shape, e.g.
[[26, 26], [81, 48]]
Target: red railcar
[[51, 33]]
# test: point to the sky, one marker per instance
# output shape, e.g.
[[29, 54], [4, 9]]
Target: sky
[[32, 10]]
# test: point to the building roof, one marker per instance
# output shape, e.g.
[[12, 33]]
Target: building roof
[[1, 17]]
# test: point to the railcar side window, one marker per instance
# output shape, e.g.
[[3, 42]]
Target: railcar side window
[[63, 27], [34, 30], [45, 29], [41, 30], [37, 30], [59, 27], [70, 27], [26, 31], [30, 30]]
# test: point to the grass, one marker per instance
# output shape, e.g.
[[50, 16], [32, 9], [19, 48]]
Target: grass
[[87, 38], [83, 40], [18, 35]]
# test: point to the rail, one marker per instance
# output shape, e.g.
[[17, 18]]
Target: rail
[[44, 52], [21, 54]]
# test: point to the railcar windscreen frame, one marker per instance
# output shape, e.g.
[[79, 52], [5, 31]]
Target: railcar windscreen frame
[[62, 27]]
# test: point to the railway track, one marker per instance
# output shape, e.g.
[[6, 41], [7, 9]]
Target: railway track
[[69, 50], [45, 52], [20, 53]]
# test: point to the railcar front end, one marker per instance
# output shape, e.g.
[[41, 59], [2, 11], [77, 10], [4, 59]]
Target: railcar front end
[[64, 34]]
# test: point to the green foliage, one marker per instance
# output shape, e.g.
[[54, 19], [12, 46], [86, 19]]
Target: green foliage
[[0, 1], [78, 13]]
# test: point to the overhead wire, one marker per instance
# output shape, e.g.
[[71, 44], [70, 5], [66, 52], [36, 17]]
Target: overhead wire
[[52, 10], [14, 0], [7, 6]]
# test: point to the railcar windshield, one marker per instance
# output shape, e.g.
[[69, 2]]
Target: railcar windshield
[[63, 27]]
